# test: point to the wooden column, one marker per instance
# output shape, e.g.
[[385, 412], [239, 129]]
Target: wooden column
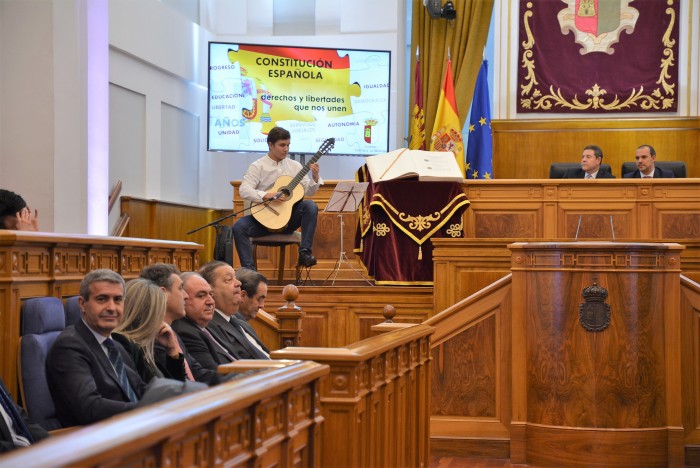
[[596, 342]]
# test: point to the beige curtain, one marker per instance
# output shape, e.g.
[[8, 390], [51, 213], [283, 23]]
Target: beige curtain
[[466, 37]]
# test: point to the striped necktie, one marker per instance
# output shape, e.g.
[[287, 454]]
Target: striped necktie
[[221, 347], [588, 176], [117, 361]]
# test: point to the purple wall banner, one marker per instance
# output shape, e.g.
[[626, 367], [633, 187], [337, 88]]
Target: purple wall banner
[[598, 56]]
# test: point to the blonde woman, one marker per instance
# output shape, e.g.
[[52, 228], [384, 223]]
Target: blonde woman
[[143, 325]]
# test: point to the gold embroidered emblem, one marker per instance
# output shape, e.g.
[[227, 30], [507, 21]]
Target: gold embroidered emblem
[[455, 230], [419, 222], [381, 229]]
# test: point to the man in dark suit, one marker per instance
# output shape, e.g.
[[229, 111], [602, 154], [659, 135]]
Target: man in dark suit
[[646, 165], [228, 297], [253, 292], [167, 277], [92, 377], [209, 351], [16, 430], [591, 159]]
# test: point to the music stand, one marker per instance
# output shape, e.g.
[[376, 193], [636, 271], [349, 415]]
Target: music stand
[[346, 198]]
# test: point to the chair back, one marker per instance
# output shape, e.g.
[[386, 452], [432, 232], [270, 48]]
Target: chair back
[[72, 310], [43, 319], [677, 167], [557, 169]]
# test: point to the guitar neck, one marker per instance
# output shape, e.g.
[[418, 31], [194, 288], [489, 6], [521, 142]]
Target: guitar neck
[[304, 170]]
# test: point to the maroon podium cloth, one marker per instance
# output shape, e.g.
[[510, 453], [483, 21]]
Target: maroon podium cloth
[[396, 221]]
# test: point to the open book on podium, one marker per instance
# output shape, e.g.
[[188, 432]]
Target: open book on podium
[[428, 166]]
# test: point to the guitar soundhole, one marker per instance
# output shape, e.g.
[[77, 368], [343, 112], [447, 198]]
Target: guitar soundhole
[[285, 191]]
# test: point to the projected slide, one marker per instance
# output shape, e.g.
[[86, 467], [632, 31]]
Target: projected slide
[[315, 93]]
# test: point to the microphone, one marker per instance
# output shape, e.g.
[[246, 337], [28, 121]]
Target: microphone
[[578, 227], [612, 228], [278, 195]]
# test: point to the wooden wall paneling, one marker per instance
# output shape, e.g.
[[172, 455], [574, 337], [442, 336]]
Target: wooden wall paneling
[[524, 149], [157, 219]]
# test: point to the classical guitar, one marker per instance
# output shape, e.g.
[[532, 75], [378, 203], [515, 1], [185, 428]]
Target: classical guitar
[[275, 214]]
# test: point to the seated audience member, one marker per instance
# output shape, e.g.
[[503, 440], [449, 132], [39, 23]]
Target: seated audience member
[[646, 165], [16, 430], [142, 326], [591, 159], [228, 297], [254, 292], [167, 277], [199, 311], [15, 214], [91, 377]]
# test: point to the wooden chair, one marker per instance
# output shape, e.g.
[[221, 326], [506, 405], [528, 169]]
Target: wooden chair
[[276, 240]]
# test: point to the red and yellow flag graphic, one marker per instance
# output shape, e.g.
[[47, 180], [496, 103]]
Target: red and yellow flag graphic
[[447, 133], [417, 140]]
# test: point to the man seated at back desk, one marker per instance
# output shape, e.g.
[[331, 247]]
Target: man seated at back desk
[[645, 156], [591, 159]]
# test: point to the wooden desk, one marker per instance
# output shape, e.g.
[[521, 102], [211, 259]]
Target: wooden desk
[[507, 211], [35, 264], [663, 209]]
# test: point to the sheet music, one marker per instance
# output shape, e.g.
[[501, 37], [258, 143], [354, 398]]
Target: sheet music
[[347, 196]]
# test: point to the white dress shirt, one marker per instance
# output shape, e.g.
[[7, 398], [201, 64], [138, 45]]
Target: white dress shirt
[[263, 173]]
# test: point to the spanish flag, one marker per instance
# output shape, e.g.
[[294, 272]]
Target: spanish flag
[[447, 134], [417, 141]]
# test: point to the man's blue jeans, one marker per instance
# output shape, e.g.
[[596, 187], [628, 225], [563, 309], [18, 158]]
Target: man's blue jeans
[[304, 215]]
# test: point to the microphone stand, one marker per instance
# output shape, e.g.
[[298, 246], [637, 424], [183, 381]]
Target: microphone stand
[[217, 222]]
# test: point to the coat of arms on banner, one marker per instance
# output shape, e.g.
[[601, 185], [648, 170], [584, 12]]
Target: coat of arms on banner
[[598, 56], [597, 24]]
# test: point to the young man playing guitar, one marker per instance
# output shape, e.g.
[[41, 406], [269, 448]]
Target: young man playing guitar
[[259, 185]]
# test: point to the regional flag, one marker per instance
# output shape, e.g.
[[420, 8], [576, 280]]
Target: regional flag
[[480, 141], [447, 133], [417, 140]]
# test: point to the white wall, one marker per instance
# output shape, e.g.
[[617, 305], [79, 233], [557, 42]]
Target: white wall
[[158, 72], [27, 103]]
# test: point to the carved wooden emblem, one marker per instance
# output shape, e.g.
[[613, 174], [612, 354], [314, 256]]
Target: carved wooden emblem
[[594, 314]]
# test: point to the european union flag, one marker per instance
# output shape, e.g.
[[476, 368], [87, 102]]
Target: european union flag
[[480, 142]]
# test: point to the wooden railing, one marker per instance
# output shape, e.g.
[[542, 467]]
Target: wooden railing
[[376, 400], [271, 418]]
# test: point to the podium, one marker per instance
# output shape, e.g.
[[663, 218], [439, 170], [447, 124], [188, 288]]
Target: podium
[[596, 354]]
